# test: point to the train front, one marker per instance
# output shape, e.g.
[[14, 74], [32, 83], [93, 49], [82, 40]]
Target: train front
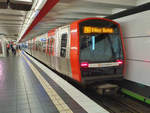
[[101, 51]]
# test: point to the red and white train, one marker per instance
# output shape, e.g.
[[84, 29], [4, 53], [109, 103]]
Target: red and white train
[[86, 50]]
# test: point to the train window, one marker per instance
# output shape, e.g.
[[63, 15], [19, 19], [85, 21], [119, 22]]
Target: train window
[[106, 46], [63, 45]]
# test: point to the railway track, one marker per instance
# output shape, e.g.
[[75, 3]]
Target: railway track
[[115, 106], [119, 103], [113, 103]]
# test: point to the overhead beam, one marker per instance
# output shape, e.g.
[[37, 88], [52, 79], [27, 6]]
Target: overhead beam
[[4, 19], [114, 3], [100, 11], [11, 17], [49, 25], [11, 36], [9, 31], [132, 11], [11, 22], [12, 12], [79, 16], [10, 27], [21, 4]]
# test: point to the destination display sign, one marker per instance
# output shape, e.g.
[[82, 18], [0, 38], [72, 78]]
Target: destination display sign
[[90, 29]]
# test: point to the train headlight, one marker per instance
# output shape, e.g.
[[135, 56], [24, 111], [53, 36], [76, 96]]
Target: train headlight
[[84, 64], [119, 62]]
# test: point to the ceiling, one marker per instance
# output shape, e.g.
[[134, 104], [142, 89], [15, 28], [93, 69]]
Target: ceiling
[[11, 22], [14, 23], [67, 11], [15, 17]]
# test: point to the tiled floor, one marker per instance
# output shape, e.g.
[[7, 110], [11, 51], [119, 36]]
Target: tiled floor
[[20, 91], [26, 88]]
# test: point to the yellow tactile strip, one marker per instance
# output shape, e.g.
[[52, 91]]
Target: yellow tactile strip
[[61, 106]]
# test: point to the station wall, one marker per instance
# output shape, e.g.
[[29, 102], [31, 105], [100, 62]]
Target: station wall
[[136, 33]]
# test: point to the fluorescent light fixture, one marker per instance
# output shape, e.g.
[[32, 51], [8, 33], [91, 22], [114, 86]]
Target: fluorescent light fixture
[[40, 4]]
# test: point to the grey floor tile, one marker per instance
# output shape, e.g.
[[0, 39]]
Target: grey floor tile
[[37, 110], [22, 97], [24, 111], [7, 109], [33, 100], [22, 106], [35, 105], [50, 109], [25, 101], [6, 104]]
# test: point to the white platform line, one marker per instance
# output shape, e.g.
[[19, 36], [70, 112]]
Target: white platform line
[[89, 105]]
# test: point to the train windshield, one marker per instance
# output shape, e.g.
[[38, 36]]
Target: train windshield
[[100, 44]]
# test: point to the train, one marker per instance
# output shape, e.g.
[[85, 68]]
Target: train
[[88, 50]]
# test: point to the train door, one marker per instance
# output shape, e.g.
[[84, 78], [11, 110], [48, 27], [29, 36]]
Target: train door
[[47, 51], [49, 55], [30, 46], [64, 50], [34, 47], [38, 48], [43, 55], [52, 41], [57, 50]]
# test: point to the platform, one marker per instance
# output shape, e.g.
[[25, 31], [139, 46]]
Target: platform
[[27, 86]]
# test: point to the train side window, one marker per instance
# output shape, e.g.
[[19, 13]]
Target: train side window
[[63, 45]]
